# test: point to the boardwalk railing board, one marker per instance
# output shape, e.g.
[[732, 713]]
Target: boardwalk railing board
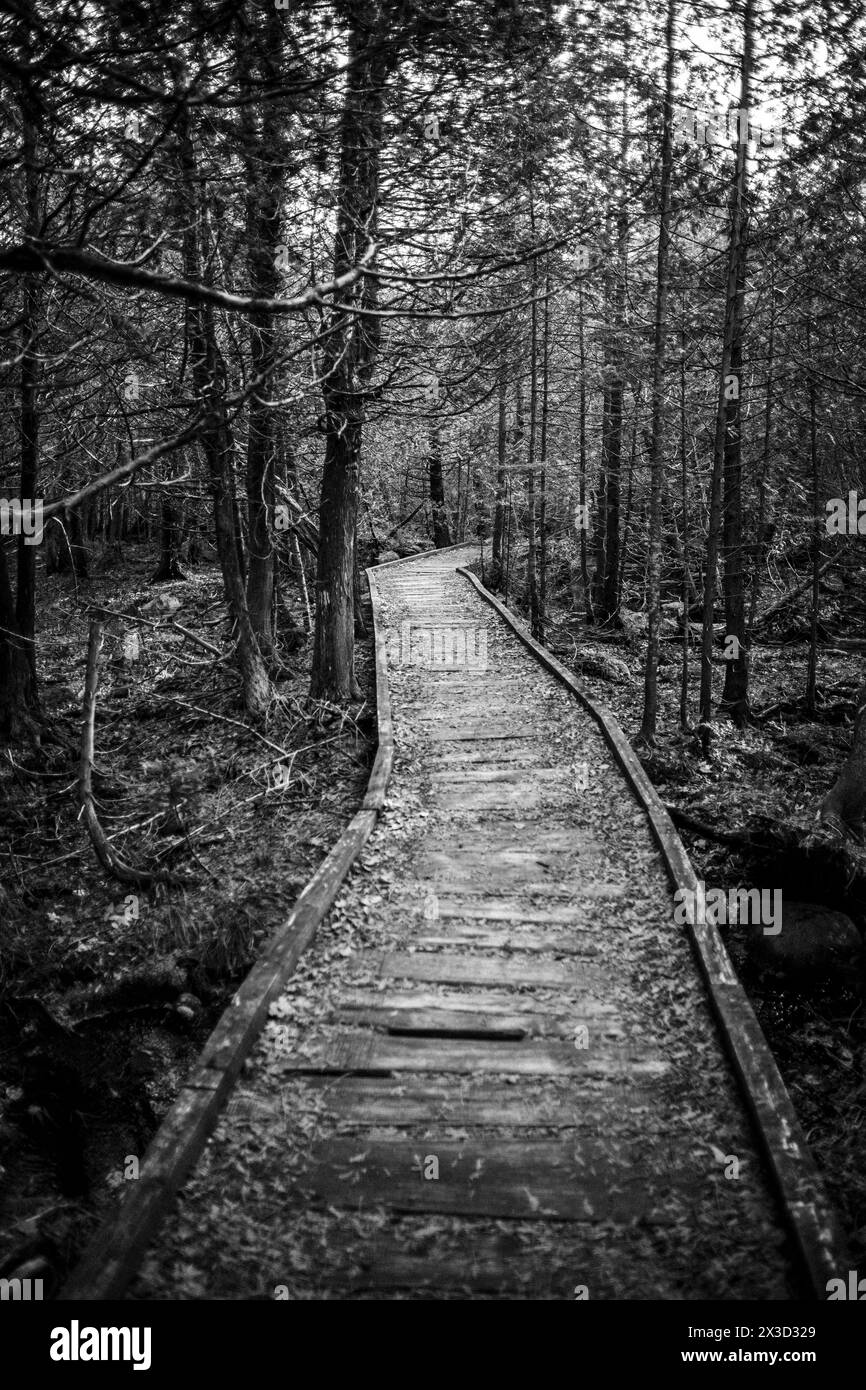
[[810, 1217], [114, 1253]]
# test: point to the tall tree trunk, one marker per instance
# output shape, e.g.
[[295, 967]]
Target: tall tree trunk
[[727, 443], [349, 357], [264, 153], [208, 373], [584, 516], [600, 539], [626, 530], [170, 534], [817, 527], [501, 474], [735, 696], [542, 461], [441, 529], [531, 517], [762, 543], [657, 452], [25, 593], [688, 587], [19, 696]]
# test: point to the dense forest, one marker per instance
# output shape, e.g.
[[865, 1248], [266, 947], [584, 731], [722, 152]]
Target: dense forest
[[289, 289]]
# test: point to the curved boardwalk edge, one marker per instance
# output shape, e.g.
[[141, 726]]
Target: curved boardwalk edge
[[114, 1252], [809, 1214]]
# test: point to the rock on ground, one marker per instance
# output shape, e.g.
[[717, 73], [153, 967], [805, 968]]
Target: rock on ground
[[814, 939]]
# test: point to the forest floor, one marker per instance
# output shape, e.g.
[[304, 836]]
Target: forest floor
[[775, 770], [107, 994]]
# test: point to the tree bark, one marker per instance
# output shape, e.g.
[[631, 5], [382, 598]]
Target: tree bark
[[817, 527], [531, 518], [501, 473], [19, 694], [441, 529], [208, 373], [727, 445], [170, 533], [264, 152], [584, 523], [349, 357], [657, 452], [735, 696]]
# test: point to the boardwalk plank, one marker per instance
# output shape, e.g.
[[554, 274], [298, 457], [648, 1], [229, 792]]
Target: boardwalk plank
[[415, 1102], [479, 970], [519, 1180], [365, 1052]]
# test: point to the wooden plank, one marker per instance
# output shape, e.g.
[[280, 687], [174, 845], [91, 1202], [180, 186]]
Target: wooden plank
[[455, 778], [481, 1023], [479, 732], [472, 884], [481, 970], [483, 797], [486, 1001], [465, 1102], [577, 942], [497, 1266], [523, 1180], [536, 836], [530, 858], [376, 1054], [507, 910], [492, 756]]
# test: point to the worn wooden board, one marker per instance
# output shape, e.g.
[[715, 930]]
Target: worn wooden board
[[508, 910], [460, 778], [473, 884], [493, 1268], [537, 835], [578, 942], [494, 755], [416, 1102], [486, 1001], [500, 1178], [374, 1053], [452, 732], [480, 970], [527, 857], [490, 796], [480, 1023]]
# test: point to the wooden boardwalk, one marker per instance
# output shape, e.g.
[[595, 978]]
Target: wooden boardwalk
[[497, 1071]]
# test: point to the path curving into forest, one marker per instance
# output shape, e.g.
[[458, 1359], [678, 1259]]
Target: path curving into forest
[[497, 1070]]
